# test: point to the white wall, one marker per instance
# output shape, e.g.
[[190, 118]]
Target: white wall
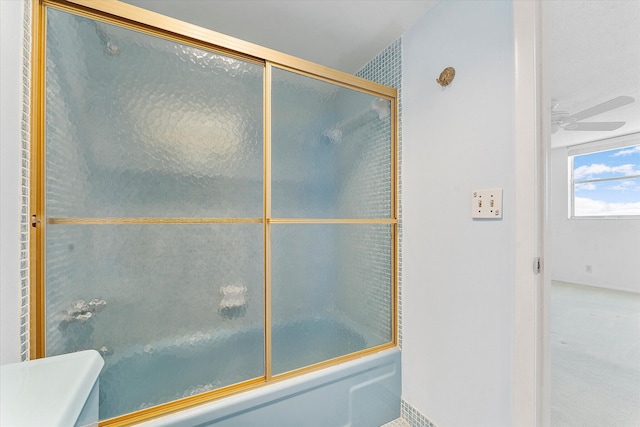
[[10, 111], [610, 246], [458, 274]]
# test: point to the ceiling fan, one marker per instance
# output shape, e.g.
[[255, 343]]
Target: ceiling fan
[[564, 120]]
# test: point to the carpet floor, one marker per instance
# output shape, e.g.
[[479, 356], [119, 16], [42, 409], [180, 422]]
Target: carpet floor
[[595, 357]]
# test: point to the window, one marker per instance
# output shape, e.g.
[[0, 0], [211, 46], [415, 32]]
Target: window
[[605, 182]]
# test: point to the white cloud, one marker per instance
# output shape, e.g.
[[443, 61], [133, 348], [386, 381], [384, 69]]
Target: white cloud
[[626, 186], [585, 186], [598, 168], [595, 169], [627, 151], [589, 207]]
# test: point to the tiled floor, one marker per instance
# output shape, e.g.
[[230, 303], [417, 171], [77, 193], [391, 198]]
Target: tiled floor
[[398, 422]]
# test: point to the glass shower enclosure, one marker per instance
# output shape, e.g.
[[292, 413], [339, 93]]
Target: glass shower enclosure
[[207, 220]]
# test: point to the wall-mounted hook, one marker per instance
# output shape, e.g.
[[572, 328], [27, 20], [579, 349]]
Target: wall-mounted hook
[[446, 76]]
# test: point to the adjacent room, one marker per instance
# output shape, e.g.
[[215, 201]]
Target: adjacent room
[[594, 215]]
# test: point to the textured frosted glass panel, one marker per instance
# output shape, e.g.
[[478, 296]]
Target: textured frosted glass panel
[[139, 126], [331, 150], [177, 309], [331, 288]]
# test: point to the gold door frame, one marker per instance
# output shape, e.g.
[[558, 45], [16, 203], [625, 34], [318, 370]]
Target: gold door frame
[[141, 20]]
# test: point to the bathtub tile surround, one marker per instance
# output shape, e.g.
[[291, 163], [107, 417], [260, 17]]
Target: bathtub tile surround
[[24, 190], [386, 69]]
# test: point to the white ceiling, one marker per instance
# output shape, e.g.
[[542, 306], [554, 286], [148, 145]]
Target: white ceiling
[[591, 51], [592, 54], [341, 34]]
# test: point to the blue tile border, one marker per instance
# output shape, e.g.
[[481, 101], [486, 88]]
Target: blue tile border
[[413, 416], [410, 417], [24, 190], [386, 69]]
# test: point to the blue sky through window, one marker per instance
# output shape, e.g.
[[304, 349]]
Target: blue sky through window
[[620, 196]]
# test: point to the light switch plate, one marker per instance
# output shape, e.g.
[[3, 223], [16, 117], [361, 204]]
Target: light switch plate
[[486, 204]]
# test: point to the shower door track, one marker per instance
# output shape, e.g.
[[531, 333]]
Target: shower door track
[[92, 221]]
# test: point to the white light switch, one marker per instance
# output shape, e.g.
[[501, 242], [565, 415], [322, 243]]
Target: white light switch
[[486, 203]]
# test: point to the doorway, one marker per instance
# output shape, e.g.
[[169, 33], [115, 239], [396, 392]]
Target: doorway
[[592, 281]]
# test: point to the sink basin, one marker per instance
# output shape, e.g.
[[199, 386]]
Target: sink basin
[[53, 391]]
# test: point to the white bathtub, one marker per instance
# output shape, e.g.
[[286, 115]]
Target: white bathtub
[[362, 392]]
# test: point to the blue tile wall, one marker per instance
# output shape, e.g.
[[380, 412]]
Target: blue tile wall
[[386, 69], [413, 417], [410, 417]]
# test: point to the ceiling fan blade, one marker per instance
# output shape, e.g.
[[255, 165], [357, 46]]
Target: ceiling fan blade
[[594, 126], [599, 109]]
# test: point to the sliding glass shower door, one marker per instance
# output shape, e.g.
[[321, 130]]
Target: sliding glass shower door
[[332, 238], [207, 220]]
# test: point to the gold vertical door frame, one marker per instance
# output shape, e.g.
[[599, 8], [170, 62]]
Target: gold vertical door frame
[[131, 17], [37, 326], [395, 212], [267, 225]]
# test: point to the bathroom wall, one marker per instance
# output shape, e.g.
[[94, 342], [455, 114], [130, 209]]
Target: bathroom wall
[[458, 273], [11, 107], [610, 246]]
